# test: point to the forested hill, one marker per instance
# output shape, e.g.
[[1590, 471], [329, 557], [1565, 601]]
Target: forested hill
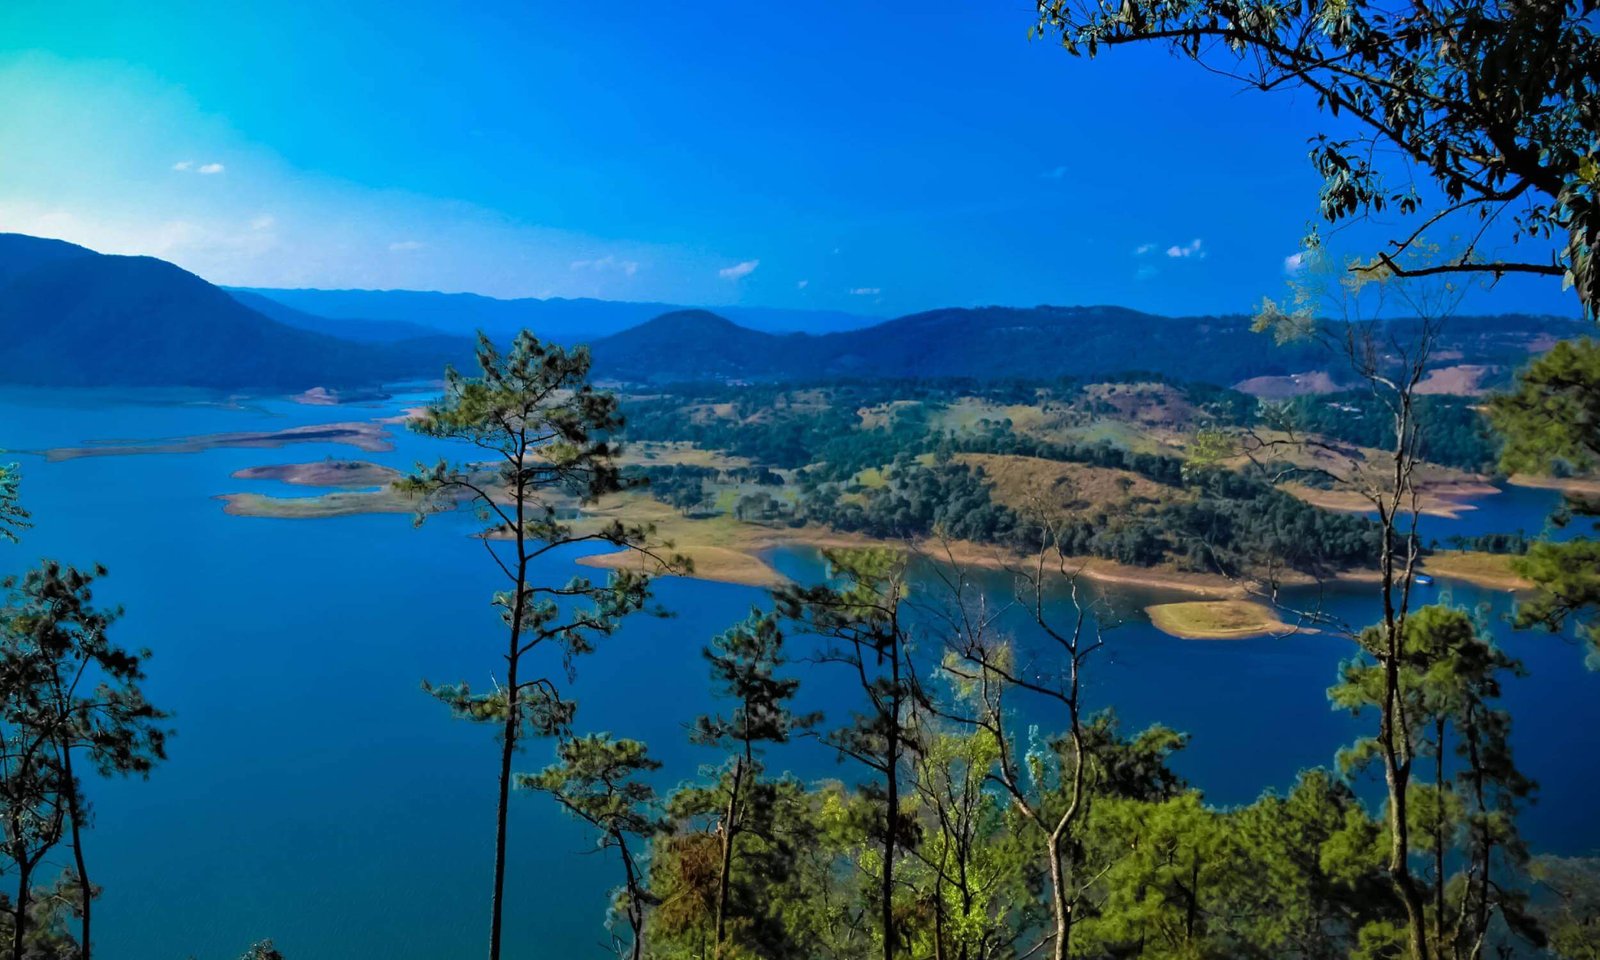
[[1028, 343], [73, 317]]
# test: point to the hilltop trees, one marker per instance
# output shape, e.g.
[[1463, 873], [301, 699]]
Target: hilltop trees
[[744, 667], [598, 779], [541, 427], [67, 694], [860, 622], [986, 670], [1436, 698]]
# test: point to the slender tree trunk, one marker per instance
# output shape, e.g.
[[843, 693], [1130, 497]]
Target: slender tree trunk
[[513, 726], [892, 799], [729, 829], [502, 807], [635, 898], [1438, 835], [1059, 904], [19, 925], [85, 890], [1394, 734], [508, 747]]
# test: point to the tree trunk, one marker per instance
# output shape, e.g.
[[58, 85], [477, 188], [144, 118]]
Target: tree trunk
[[1438, 834], [19, 924], [85, 890], [1058, 899], [508, 747], [892, 801], [729, 828]]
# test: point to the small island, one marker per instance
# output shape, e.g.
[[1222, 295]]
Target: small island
[[324, 473], [1218, 620]]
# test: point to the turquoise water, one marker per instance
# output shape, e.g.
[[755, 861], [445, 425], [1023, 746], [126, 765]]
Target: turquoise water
[[315, 795]]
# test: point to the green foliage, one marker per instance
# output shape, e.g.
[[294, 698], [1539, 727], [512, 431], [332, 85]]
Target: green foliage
[[1462, 819], [1552, 418], [596, 779], [52, 910], [1495, 105], [1567, 575], [67, 693], [1552, 425], [1567, 900], [262, 950], [534, 417], [533, 413], [744, 664], [12, 515], [600, 780]]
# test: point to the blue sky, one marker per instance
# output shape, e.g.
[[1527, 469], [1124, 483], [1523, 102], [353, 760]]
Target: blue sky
[[862, 156]]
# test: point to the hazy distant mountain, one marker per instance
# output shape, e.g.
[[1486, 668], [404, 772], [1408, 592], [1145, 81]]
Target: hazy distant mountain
[[1029, 343], [371, 331], [73, 317], [558, 319]]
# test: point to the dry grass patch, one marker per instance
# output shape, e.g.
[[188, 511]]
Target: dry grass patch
[[1023, 482], [340, 504], [1492, 570], [720, 564], [324, 473], [676, 453]]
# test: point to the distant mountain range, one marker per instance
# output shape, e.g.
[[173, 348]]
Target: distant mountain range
[[388, 314], [1028, 343], [73, 317]]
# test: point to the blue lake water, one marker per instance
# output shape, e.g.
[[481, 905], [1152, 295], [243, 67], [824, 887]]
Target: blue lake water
[[315, 795]]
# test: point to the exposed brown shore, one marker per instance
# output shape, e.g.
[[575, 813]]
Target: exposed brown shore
[[1445, 499], [365, 435], [1574, 486]]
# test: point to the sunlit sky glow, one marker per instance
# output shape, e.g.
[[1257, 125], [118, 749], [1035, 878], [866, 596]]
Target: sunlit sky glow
[[858, 156]]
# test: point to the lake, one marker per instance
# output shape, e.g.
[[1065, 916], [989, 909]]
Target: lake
[[315, 795]]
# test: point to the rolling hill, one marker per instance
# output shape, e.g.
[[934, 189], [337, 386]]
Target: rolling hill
[[73, 317], [1026, 343]]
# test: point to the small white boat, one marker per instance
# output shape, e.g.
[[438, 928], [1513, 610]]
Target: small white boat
[[1422, 580]]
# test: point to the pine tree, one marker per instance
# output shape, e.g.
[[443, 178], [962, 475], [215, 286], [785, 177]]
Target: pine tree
[[542, 427]]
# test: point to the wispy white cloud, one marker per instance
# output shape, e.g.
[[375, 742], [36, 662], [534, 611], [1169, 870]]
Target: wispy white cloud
[[865, 291], [406, 246], [189, 166], [1294, 263], [802, 284], [738, 270], [1054, 173], [1143, 249], [1194, 248], [609, 262], [264, 222]]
